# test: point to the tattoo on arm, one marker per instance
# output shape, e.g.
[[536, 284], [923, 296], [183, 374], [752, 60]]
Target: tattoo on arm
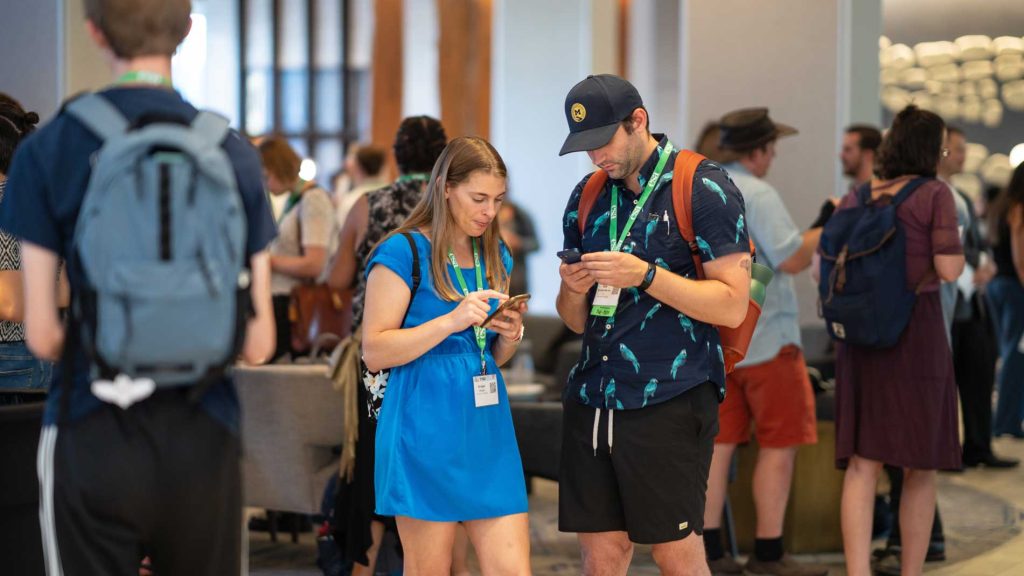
[[745, 264]]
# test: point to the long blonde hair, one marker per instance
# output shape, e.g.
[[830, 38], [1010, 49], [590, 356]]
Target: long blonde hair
[[459, 159]]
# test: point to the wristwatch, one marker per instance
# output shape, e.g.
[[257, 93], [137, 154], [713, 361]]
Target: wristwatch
[[648, 277]]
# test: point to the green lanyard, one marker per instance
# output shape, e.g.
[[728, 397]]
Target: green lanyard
[[651, 184], [481, 332], [414, 177], [144, 77], [293, 199]]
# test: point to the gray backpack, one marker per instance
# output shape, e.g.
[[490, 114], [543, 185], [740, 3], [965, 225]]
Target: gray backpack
[[160, 241]]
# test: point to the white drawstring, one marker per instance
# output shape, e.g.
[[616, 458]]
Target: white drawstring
[[611, 428], [611, 424]]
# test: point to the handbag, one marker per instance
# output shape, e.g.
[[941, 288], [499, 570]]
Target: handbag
[[376, 383], [320, 316]]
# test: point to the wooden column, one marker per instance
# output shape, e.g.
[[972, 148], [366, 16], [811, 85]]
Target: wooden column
[[624, 7], [387, 71], [465, 66]]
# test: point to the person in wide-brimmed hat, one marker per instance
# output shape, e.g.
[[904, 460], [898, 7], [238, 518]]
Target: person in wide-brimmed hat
[[770, 386]]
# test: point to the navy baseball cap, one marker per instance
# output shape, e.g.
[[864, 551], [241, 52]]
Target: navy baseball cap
[[594, 108]]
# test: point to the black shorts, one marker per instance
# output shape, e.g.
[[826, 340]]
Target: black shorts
[[161, 478], [650, 479]]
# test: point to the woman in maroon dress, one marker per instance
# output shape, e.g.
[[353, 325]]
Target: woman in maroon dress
[[897, 405]]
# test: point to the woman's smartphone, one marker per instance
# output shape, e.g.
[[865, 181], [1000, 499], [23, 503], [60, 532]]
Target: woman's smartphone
[[570, 256], [512, 302]]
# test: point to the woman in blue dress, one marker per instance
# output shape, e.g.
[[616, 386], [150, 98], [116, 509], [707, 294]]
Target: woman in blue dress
[[446, 448]]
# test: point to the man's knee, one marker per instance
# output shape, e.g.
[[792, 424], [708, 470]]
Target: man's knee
[[681, 558], [606, 547]]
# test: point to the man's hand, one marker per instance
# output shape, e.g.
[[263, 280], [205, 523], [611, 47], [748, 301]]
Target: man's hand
[[616, 269], [576, 277]]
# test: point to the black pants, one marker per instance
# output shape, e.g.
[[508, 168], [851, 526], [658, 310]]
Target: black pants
[[161, 477], [974, 362], [284, 327]]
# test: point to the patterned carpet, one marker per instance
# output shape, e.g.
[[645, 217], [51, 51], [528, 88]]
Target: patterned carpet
[[975, 522]]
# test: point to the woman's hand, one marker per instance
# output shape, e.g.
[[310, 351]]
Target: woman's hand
[[473, 309], [509, 324]]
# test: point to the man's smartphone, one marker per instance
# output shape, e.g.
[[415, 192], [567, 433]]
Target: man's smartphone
[[512, 302], [570, 256]]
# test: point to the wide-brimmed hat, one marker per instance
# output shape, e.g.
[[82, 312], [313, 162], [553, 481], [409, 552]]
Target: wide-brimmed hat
[[750, 128], [594, 108]]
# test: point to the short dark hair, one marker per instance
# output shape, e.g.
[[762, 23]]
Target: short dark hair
[[15, 125], [370, 158], [913, 144], [627, 122], [869, 137], [135, 28], [418, 143]]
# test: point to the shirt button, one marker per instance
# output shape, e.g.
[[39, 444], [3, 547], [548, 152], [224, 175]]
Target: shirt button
[[604, 358], [634, 201], [607, 326]]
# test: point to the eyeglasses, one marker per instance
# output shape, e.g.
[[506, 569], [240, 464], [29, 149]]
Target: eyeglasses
[[945, 152]]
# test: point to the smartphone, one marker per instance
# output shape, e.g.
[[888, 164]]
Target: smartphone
[[512, 302], [570, 256]]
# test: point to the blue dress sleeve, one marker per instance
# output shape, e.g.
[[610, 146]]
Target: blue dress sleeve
[[506, 258], [718, 214], [395, 254]]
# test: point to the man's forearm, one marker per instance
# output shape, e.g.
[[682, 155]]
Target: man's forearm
[[801, 259], [572, 307], [710, 301]]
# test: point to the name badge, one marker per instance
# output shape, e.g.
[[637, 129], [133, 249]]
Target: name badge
[[485, 390], [605, 301]]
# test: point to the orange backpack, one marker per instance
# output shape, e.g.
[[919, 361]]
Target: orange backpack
[[735, 341]]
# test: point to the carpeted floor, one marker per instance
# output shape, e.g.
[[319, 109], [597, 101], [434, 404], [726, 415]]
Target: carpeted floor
[[976, 522]]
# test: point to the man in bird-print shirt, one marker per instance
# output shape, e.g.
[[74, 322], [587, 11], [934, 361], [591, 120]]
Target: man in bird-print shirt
[[641, 405]]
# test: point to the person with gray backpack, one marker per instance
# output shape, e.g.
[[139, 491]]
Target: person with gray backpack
[[159, 212]]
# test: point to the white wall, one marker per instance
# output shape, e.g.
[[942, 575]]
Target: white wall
[[655, 57], [420, 53], [798, 62], [30, 69], [541, 49]]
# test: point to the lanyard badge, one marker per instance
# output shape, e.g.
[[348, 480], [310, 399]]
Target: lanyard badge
[[606, 300], [485, 386]]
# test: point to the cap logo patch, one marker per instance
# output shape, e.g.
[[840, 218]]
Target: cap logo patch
[[578, 112]]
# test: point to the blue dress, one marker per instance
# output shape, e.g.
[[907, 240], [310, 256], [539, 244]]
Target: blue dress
[[439, 457]]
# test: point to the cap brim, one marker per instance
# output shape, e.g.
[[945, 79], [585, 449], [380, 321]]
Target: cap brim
[[588, 139]]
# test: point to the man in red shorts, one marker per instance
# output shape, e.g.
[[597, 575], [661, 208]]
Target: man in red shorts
[[770, 387]]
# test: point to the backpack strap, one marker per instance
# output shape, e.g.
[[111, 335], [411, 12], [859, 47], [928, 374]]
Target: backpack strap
[[209, 127], [98, 115], [685, 169], [591, 190], [415, 272], [864, 191], [686, 165], [907, 190]]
